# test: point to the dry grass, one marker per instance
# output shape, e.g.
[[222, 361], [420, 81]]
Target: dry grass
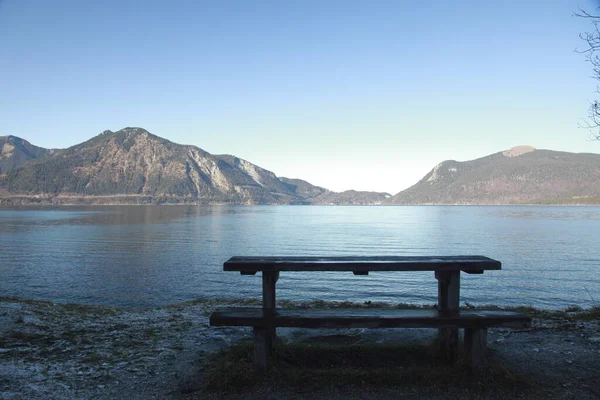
[[316, 365]]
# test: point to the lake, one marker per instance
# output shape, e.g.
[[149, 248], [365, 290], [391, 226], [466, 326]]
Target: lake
[[148, 256]]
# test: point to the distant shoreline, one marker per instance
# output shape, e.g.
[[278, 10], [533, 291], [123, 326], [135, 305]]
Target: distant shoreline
[[136, 200], [592, 312]]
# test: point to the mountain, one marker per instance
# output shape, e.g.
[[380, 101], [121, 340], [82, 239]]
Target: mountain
[[521, 175], [303, 188], [135, 166], [351, 197], [15, 152], [319, 195]]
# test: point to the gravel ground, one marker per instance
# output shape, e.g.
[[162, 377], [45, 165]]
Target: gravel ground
[[52, 351]]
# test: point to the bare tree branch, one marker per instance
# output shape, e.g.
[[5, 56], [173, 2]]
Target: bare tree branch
[[592, 55]]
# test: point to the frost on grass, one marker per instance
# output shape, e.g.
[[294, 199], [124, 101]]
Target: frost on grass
[[58, 351], [53, 351]]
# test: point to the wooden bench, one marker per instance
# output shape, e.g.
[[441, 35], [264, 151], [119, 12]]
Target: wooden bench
[[474, 322], [447, 317]]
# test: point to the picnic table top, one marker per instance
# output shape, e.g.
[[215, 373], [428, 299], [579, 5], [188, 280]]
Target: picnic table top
[[469, 263]]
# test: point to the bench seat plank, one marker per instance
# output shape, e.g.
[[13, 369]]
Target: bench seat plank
[[469, 264], [366, 318]]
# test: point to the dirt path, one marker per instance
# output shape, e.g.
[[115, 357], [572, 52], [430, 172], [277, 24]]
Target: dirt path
[[50, 351]]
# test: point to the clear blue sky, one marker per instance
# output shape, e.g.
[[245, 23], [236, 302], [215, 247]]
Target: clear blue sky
[[346, 94]]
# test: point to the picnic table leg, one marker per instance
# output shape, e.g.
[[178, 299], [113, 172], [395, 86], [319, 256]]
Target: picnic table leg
[[476, 348], [264, 337], [261, 348], [448, 303]]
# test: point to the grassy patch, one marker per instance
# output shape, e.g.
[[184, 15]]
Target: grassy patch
[[95, 358], [10, 299], [86, 309], [592, 314], [311, 366], [571, 312], [76, 336], [151, 332], [29, 337], [211, 303], [50, 309]]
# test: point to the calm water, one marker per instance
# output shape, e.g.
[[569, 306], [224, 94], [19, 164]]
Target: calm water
[[145, 256]]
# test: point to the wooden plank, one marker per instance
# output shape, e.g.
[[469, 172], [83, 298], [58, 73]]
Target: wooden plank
[[469, 264], [261, 348], [269, 281], [448, 290], [366, 318], [476, 347], [448, 304]]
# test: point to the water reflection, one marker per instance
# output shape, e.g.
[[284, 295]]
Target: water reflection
[[144, 256]]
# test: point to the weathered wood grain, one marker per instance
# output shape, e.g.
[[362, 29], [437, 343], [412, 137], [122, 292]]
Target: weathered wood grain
[[261, 348], [269, 280], [448, 303], [360, 265], [366, 318], [447, 318], [476, 347]]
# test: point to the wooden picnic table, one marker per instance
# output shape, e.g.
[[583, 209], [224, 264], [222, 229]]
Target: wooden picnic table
[[446, 270]]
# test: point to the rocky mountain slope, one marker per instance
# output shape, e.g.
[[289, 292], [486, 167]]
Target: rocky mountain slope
[[134, 166], [319, 195], [15, 152], [521, 175], [351, 197]]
